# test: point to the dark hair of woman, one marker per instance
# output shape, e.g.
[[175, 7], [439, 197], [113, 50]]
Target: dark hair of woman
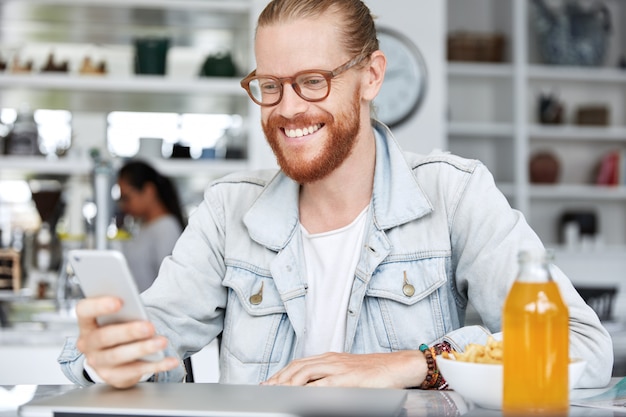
[[138, 173]]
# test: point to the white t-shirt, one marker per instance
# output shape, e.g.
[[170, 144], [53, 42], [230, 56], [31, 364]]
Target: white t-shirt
[[331, 259]]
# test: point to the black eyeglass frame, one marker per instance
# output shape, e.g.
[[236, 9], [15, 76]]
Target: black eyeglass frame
[[328, 76]]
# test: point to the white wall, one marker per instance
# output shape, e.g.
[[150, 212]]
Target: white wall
[[423, 21]]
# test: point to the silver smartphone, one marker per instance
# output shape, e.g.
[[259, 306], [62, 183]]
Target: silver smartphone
[[106, 272]]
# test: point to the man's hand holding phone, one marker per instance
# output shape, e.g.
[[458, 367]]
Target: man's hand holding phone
[[117, 352], [118, 341]]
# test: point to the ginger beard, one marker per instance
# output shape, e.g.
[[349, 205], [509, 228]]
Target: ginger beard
[[341, 133]]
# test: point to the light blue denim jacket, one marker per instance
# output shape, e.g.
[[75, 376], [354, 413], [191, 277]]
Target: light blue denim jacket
[[439, 220]]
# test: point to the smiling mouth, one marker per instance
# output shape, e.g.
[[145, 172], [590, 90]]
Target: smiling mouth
[[298, 133]]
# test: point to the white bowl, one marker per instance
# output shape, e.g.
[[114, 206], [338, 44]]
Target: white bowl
[[481, 383]]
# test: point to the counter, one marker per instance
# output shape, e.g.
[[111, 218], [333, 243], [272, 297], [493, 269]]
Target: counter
[[419, 403], [29, 356], [29, 349]]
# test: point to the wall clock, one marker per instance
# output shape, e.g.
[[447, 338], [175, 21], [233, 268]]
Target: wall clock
[[405, 81]]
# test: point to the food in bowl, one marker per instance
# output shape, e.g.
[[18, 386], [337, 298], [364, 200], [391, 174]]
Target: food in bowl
[[481, 383], [491, 352]]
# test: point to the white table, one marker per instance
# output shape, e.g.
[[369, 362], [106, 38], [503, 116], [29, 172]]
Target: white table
[[419, 403]]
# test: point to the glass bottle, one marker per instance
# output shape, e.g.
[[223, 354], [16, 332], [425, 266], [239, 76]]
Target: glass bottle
[[535, 326], [23, 138]]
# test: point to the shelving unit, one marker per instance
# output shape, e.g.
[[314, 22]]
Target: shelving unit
[[125, 84], [77, 28], [210, 5], [493, 117], [139, 93], [71, 30], [34, 165]]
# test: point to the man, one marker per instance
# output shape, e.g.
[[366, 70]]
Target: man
[[334, 270]]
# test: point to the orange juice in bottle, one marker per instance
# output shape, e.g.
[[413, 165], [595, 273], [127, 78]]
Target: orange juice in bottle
[[535, 326]]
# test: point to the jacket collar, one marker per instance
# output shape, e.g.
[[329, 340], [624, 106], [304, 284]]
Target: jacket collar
[[397, 198]]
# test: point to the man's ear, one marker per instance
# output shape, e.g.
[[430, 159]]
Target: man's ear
[[373, 79]]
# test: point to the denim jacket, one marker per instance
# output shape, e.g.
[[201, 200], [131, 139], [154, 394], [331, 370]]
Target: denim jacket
[[437, 223]]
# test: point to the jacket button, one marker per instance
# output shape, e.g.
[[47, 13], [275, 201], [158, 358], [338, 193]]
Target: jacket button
[[256, 299], [408, 290]]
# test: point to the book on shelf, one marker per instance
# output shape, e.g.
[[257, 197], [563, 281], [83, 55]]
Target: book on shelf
[[612, 168]]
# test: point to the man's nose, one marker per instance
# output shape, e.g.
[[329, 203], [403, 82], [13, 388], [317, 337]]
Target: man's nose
[[291, 103]]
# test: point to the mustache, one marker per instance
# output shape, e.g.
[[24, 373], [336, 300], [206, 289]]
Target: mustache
[[279, 121]]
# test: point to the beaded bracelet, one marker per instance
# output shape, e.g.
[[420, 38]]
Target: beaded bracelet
[[434, 379]]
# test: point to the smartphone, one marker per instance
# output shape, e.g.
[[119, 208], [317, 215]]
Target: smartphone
[[106, 272]]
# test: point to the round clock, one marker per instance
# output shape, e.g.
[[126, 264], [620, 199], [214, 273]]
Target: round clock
[[405, 81]]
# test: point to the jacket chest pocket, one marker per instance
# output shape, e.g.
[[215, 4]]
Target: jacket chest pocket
[[256, 328], [405, 303]]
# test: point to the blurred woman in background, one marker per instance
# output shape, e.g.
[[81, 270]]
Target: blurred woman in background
[[152, 200]]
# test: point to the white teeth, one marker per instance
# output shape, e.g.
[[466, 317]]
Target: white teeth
[[298, 133]]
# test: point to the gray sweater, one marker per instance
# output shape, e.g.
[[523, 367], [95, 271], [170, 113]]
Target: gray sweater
[[146, 250]]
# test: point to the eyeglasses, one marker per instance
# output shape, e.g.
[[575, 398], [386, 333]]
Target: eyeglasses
[[311, 85]]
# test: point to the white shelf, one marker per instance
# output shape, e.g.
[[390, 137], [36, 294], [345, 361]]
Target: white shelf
[[480, 129], [131, 84], [41, 165], [15, 296], [84, 166], [578, 192], [481, 70], [583, 74], [198, 167], [583, 133], [216, 5], [607, 251]]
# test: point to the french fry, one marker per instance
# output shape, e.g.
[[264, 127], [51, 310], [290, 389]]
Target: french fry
[[489, 353]]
